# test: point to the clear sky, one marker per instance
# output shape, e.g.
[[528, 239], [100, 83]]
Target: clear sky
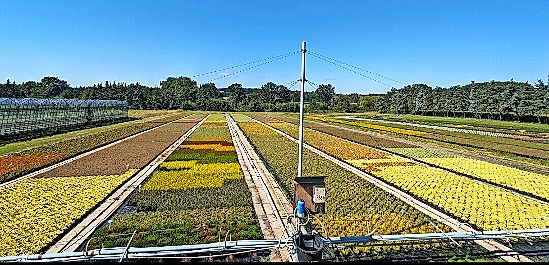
[[435, 42]]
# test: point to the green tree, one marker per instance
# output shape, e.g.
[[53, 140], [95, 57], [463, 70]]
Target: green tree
[[382, 105], [460, 98], [267, 93], [9, 90], [354, 97], [421, 99], [237, 96], [205, 96], [137, 96], [473, 99], [324, 94], [282, 94], [489, 98], [510, 101], [538, 104], [368, 102], [255, 102], [526, 100], [27, 87], [50, 87], [342, 103], [175, 91], [68, 93], [393, 100], [440, 100]]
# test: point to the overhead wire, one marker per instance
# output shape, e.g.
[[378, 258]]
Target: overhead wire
[[312, 84], [346, 68], [256, 61], [291, 84], [370, 72], [266, 61]]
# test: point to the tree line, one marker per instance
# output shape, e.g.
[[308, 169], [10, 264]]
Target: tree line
[[503, 100], [507, 100], [184, 93]]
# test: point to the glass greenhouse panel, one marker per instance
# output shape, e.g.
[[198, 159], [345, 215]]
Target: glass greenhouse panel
[[28, 115]]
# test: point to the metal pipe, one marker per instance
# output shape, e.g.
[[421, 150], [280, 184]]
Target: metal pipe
[[127, 246], [455, 235], [255, 245], [114, 253]]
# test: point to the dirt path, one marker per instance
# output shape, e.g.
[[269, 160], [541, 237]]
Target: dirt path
[[270, 204]]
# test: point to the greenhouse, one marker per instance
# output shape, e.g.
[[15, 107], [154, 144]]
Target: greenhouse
[[19, 116]]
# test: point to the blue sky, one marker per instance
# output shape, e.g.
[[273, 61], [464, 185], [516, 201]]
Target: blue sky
[[439, 43]]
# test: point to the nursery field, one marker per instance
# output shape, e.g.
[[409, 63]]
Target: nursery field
[[523, 181], [20, 158], [354, 206], [198, 193], [529, 144], [197, 196], [486, 207], [36, 211]]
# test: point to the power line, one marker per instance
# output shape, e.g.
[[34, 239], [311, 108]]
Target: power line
[[339, 63], [313, 85], [270, 60], [357, 67], [256, 61], [291, 84]]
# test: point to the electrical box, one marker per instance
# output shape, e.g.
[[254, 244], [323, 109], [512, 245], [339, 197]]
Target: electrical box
[[312, 191]]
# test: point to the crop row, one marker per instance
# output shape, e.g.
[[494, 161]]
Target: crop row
[[353, 205], [507, 211], [17, 164], [131, 153], [516, 179], [371, 140], [474, 142], [514, 146], [197, 176], [65, 194], [478, 135], [198, 195], [376, 127], [35, 211], [529, 182]]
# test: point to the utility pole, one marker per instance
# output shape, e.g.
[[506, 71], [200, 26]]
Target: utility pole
[[301, 107]]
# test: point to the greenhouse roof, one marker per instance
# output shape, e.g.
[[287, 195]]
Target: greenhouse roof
[[59, 102]]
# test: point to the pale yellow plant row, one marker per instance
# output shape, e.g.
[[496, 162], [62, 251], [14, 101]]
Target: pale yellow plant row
[[197, 176], [488, 207], [360, 224], [35, 211], [530, 182], [389, 159], [198, 139]]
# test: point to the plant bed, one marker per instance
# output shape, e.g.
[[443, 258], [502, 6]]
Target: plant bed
[[197, 195]]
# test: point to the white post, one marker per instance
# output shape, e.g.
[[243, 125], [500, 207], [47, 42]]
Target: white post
[[301, 107]]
